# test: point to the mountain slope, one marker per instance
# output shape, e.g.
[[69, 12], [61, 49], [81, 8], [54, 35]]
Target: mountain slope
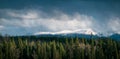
[[79, 31]]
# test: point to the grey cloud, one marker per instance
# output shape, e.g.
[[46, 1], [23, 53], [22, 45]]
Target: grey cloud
[[114, 24], [21, 22], [34, 20]]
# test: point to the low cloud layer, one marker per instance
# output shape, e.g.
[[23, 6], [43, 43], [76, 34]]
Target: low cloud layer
[[114, 24], [24, 22]]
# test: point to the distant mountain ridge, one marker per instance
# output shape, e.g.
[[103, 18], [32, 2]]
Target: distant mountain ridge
[[86, 33], [79, 31]]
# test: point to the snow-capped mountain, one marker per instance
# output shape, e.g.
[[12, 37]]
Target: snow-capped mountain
[[86, 33], [79, 31]]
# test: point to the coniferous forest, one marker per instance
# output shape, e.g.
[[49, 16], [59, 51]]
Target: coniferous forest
[[58, 48]]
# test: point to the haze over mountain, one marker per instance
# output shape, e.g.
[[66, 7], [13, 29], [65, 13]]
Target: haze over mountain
[[28, 17]]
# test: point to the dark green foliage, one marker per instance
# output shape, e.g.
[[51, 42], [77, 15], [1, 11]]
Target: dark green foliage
[[73, 48]]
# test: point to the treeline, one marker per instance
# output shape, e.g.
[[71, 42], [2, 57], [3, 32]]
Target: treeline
[[76, 48]]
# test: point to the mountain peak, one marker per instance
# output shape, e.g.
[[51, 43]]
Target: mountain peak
[[79, 31]]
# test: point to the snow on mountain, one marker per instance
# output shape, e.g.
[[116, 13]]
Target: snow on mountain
[[79, 31]]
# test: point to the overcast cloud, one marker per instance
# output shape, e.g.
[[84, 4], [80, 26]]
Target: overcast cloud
[[101, 17]]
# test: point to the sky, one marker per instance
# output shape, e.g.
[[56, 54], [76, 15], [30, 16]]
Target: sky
[[26, 17]]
